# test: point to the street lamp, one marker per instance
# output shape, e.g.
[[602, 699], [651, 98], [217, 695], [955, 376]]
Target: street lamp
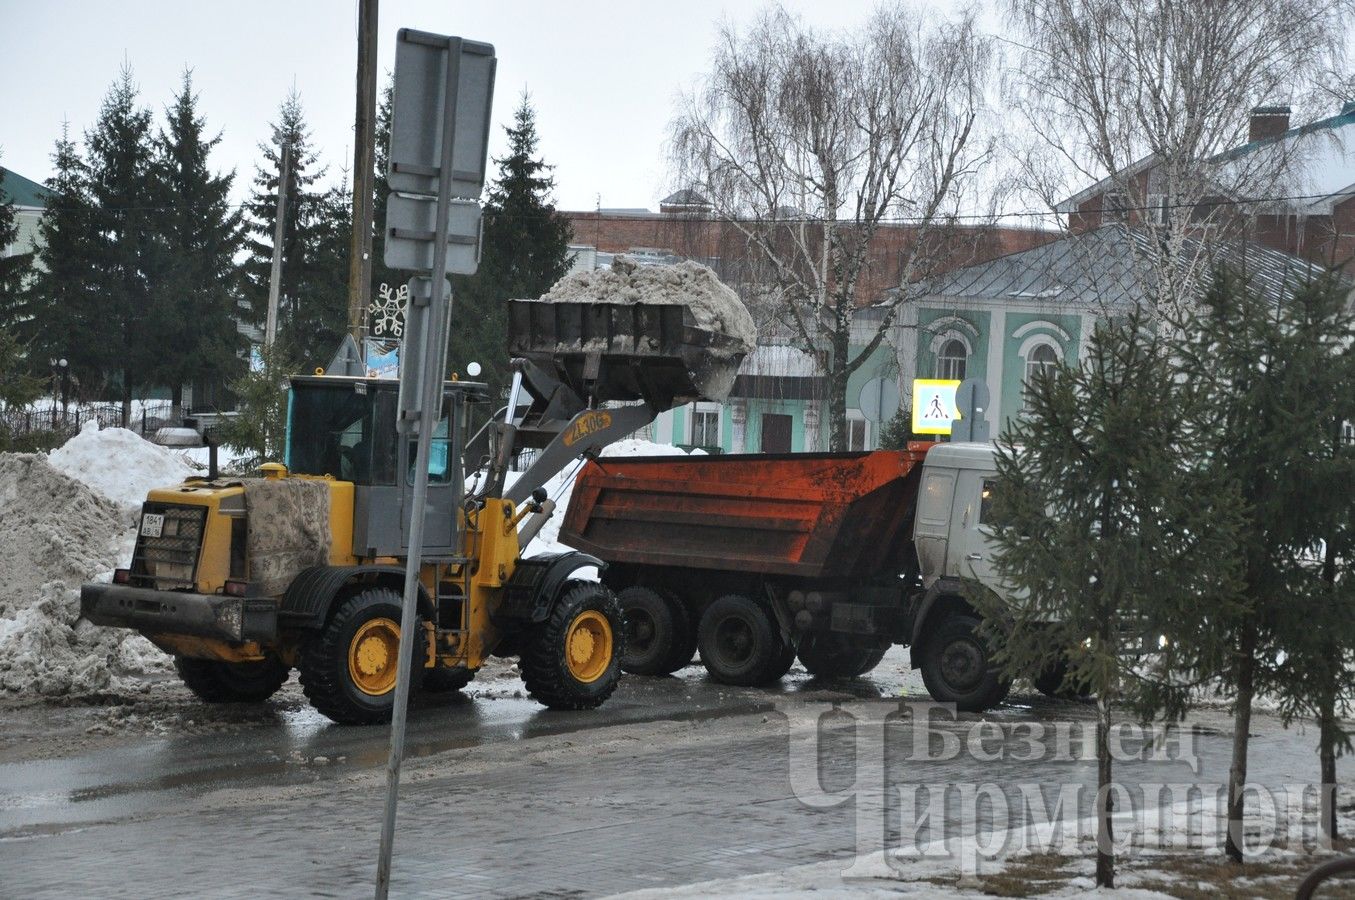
[[64, 367]]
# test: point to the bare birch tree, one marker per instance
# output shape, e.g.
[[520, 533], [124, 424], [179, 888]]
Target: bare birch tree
[[806, 142], [1153, 95]]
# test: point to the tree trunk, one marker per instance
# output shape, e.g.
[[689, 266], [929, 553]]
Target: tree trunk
[[1105, 832], [837, 394], [1326, 753], [1245, 669], [176, 397]]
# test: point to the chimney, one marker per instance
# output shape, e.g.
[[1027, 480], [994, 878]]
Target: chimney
[[1268, 122]]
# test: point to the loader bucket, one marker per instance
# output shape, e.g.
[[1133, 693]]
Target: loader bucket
[[626, 351]]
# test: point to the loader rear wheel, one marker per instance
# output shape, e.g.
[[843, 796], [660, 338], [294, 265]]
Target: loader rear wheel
[[573, 659], [834, 656], [348, 668], [216, 681], [650, 631], [957, 667], [740, 644]]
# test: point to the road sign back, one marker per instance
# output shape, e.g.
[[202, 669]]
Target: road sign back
[[421, 61]]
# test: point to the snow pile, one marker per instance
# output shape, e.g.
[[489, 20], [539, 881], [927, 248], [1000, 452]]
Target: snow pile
[[561, 488], [714, 305], [58, 534], [120, 464]]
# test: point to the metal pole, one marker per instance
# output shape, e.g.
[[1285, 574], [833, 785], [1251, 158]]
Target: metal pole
[[432, 359], [279, 232], [364, 149]]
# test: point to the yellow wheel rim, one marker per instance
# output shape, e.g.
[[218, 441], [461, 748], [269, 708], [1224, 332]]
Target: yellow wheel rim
[[588, 646], [372, 656]]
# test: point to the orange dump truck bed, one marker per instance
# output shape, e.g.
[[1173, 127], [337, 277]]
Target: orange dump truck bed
[[817, 515]]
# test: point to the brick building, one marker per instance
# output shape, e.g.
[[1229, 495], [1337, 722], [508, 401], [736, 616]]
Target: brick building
[[1315, 217]]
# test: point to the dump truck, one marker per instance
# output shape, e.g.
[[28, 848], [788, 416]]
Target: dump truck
[[244, 579], [831, 558]]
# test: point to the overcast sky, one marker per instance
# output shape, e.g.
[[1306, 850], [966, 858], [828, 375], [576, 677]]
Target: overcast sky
[[603, 74]]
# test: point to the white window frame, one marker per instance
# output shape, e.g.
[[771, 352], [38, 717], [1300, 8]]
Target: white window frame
[[1028, 348], [705, 408], [942, 361], [855, 418]]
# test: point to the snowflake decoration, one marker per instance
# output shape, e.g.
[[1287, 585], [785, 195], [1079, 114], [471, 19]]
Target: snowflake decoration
[[388, 310]]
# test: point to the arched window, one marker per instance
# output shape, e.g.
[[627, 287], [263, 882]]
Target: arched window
[[950, 362], [1041, 358]]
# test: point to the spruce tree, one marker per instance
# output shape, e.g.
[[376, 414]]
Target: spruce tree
[[1108, 533], [1276, 380], [14, 269], [200, 233], [125, 202], [525, 251], [64, 317], [297, 295]]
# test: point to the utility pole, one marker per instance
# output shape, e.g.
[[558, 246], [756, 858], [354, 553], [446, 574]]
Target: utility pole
[[364, 152], [279, 232]]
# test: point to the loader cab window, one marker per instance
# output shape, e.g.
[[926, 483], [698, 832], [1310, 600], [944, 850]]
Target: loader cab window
[[439, 460], [345, 429]]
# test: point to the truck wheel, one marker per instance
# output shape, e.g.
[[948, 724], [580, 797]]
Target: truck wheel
[[651, 632], [444, 681], [957, 667], [1054, 682], [684, 636], [834, 656], [739, 643], [573, 659], [348, 668], [216, 681]]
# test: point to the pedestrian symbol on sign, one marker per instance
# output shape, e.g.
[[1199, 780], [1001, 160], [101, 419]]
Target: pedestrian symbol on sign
[[934, 405]]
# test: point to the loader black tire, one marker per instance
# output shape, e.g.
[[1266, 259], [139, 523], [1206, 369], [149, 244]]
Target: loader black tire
[[957, 667], [215, 681], [445, 681], [741, 645], [572, 660], [835, 656], [652, 632], [331, 657]]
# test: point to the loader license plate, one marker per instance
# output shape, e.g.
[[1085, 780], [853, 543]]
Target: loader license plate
[[152, 524]]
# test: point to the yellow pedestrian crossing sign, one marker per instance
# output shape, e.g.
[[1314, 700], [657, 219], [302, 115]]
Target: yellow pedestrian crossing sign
[[934, 405]]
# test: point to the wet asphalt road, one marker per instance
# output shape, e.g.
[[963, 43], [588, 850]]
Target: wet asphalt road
[[674, 781]]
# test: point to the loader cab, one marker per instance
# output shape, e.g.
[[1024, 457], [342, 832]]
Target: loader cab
[[345, 428]]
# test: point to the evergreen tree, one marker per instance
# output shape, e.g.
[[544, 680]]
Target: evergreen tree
[[200, 237], [64, 317], [525, 251], [13, 269], [258, 430], [1274, 379], [1105, 525], [301, 301], [124, 197], [898, 431], [316, 327]]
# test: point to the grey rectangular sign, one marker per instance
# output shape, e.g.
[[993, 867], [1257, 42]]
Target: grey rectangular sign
[[411, 224], [421, 78]]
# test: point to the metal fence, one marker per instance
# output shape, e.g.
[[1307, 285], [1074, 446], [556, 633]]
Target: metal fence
[[147, 419]]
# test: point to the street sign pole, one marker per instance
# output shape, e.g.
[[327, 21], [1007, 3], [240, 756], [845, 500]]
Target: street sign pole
[[429, 386]]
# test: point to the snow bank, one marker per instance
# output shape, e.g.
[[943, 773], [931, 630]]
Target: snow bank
[[715, 306], [120, 464], [58, 534]]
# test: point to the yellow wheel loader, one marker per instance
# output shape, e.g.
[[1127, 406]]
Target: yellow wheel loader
[[244, 579]]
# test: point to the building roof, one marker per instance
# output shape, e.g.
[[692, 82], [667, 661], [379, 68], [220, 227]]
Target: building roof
[[685, 197], [22, 191], [1321, 171], [1102, 266]]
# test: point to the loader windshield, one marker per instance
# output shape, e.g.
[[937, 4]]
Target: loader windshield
[[345, 429]]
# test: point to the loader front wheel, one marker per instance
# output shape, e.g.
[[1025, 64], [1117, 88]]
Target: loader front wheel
[[572, 660], [348, 669], [232, 682]]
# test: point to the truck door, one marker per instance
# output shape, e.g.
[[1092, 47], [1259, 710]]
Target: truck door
[[971, 527]]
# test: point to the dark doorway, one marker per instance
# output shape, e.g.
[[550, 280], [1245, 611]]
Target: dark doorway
[[775, 433]]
